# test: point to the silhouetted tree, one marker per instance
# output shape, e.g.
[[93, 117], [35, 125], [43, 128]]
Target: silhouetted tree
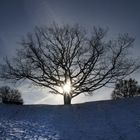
[[10, 96], [126, 89], [70, 60]]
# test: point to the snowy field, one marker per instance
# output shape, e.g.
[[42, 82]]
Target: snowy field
[[105, 120]]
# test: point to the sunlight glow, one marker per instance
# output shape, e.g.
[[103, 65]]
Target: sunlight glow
[[67, 87]]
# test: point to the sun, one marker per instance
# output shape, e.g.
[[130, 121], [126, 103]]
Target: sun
[[67, 87]]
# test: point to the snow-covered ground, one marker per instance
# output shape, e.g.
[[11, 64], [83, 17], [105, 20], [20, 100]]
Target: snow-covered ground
[[104, 120]]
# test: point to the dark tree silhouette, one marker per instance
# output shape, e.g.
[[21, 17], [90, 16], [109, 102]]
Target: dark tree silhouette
[[70, 60], [126, 89], [10, 96]]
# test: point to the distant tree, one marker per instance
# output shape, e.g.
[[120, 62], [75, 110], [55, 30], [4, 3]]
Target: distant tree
[[70, 60], [126, 89], [10, 96]]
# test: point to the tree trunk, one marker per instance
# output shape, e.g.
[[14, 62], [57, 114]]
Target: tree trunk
[[67, 99]]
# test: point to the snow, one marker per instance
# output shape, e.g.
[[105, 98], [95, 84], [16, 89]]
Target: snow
[[102, 120]]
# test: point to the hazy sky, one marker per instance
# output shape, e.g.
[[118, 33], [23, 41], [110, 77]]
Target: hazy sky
[[20, 16]]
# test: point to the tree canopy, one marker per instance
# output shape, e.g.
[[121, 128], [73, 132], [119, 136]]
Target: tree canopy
[[70, 57]]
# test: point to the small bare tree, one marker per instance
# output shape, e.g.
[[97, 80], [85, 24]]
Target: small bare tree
[[70, 60], [126, 89], [10, 96]]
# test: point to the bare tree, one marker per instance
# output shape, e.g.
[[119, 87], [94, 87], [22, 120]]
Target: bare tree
[[10, 96], [126, 89], [70, 60]]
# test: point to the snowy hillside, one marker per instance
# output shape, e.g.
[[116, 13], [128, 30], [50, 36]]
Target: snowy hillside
[[105, 120]]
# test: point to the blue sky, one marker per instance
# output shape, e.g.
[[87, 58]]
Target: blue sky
[[20, 16]]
